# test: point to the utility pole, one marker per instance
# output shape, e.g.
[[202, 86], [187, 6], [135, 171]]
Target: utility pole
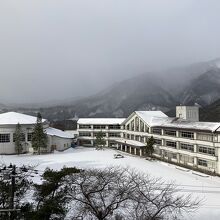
[[13, 176], [13, 173]]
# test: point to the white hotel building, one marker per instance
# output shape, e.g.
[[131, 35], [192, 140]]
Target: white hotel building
[[57, 139], [182, 140]]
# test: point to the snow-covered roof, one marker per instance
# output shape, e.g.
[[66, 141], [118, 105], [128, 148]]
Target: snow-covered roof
[[101, 121], [58, 133], [147, 116], [73, 132], [13, 118], [130, 142], [184, 124], [159, 119]]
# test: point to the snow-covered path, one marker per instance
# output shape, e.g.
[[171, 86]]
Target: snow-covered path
[[207, 188]]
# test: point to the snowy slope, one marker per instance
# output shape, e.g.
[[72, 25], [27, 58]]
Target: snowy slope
[[207, 188]]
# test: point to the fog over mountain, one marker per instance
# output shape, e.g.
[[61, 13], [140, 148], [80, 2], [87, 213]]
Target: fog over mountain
[[53, 50]]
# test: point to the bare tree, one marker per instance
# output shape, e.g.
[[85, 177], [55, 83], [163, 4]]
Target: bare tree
[[100, 194], [154, 199], [119, 193]]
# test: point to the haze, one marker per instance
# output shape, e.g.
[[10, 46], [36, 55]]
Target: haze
[[53, 50]]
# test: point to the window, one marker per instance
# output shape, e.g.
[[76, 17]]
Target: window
[[206, 150], [98, 126], [142, 126], [132, 125], [22, 138], [203, 163], [171, 144], [137, 138], [204, 137], [128, 136], [114, 127], [85, 126], [84, 134], [136, 124], [170, 132], [186, 159], [114, 135], [132, 137], [157, 131], [29, 136], [128, 127], [146, 129], [158, 141], [174, 156], [96, 133], [185, 134], [4, 138], [188, 147]]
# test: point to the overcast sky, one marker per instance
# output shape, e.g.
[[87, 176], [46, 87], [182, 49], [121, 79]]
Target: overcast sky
[[57, 49]]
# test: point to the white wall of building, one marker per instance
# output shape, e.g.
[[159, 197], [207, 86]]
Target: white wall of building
[[59, 143], [190, 113]]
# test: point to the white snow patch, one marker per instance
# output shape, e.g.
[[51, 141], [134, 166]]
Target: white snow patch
[[206, 188]]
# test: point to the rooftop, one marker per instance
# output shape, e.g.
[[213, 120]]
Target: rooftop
[[159, 119], [148, 116], [13, 118], [130, 142], [184, 124], [100, 121], [58, 133]]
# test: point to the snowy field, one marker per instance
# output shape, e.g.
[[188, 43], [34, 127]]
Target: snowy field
[[207, 188]]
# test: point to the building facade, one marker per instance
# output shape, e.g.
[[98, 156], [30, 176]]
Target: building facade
[[57, 139], [188, 142], [88, 129]]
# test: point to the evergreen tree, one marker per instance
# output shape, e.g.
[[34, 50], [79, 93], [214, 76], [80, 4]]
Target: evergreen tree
[[149, 147], [18, 138], [39, 137], [100, 142], [51, 195]]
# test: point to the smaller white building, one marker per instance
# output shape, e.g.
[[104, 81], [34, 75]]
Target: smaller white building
[[57, 139]]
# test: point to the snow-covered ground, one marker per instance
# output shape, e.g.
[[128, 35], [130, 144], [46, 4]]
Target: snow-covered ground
[[207, 188]]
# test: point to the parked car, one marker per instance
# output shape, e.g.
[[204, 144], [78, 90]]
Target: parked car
[[118, 156]]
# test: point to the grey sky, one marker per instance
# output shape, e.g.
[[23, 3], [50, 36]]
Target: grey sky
[[57, 49]]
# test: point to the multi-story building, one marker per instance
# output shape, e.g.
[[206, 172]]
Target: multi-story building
[[88, 129], [180, 140]]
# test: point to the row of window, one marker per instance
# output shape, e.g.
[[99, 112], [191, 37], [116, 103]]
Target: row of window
[[114, 135], [183, 134], [171, 144], [84, 126], [5, 138], [88, 134], [99, 127], [187, 147], [85, 134], [135, 125], [206, 150], [190, 147]]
